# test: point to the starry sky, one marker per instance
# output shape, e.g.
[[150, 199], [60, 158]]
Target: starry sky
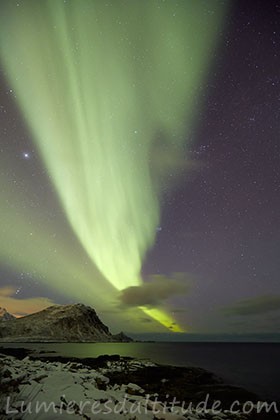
[[212, 261]]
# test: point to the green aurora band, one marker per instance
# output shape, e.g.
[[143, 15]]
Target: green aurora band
[[109, 91]]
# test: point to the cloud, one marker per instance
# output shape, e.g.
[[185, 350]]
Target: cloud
[[19, 307], [153, 292], [255, 306], [7, 291], [146, 320]]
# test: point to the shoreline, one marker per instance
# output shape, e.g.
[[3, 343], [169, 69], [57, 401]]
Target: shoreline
[[147, 387]]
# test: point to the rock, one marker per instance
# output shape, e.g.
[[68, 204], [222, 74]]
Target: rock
[[75, 392], [6, 316], [122, 338], [28, 392], [134, 389], [130, 394]]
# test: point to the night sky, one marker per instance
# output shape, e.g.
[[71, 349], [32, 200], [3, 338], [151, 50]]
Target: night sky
[[217, 240], [223, 225]]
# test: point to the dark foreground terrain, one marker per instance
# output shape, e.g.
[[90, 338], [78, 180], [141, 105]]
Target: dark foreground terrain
[[123, 387]]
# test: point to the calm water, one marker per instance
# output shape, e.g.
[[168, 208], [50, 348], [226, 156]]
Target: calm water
[[255, 366]]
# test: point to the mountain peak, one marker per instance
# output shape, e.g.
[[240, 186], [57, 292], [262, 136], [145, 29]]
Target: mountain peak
[[5, 315]]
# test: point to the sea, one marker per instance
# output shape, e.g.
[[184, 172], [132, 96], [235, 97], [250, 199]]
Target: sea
[[254, 366]]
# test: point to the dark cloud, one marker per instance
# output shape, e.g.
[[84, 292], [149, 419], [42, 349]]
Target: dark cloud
[[154, 292], [145, 320], [254, 306]]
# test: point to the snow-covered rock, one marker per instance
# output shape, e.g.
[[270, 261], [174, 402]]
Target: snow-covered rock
[[44, 390]]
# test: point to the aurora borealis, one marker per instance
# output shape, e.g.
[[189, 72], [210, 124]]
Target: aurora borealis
[[95, 112], [119, 123]]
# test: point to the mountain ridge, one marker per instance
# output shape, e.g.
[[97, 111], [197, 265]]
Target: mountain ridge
[[59, 323]]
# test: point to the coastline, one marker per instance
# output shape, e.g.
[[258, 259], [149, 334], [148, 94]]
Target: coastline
[[119, 387]]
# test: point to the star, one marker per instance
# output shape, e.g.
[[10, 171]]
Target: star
[[26, 155], [18, 290]]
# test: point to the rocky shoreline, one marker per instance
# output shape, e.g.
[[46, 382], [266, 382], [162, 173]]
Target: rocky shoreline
[[113, 387]]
